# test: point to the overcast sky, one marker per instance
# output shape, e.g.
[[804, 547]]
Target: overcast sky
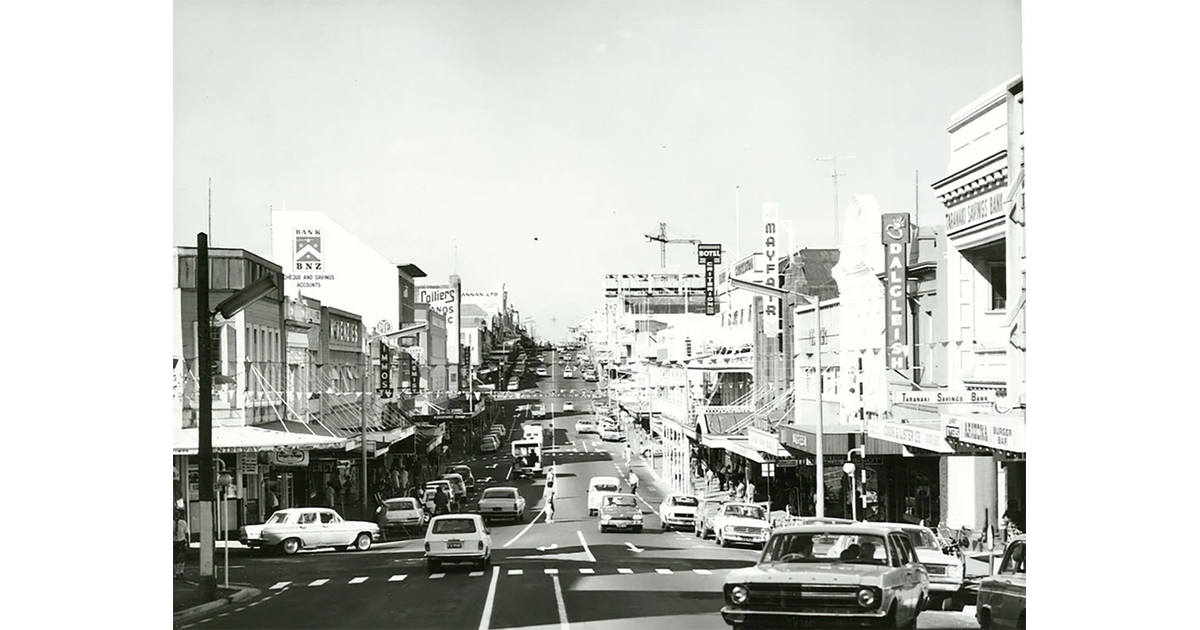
[[546, 138]]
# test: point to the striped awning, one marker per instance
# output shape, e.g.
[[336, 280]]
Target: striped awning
[[243, 439]]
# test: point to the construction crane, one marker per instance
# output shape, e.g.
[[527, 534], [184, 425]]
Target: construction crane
[[662, 239]]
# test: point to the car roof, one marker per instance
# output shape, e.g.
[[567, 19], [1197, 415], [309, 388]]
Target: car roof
[[595, 480], [468, 515], [903, 525], [620, 494], [513, 488], [681, 494], [838, 528]]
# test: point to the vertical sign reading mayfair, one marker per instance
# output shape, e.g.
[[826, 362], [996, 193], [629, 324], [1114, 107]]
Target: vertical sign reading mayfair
[[710, 256], [770, 217], [897, 234]]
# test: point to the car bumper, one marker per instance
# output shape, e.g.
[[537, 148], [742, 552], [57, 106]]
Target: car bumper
[[945, 588], [679, 521], [494, 512], [778, 619], [621, 523], [749, 539], [469, 556]]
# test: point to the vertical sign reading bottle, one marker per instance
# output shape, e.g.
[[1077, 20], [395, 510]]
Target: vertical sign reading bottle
[[897, 234], [709, 255], [771, 306]]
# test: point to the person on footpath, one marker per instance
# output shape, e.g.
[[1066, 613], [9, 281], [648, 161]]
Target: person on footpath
[[628, 452], [548, 498], [182, 541], [633, 482]]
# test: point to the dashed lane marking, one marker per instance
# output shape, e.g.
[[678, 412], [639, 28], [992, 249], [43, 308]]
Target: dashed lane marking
[[318, 582], [358, 580], [587, 571], [436, 576], [476, 574], [551, 571], [664, 571], [398, 578], [703, 571], [624, 570], [279, 585], [516, 571]]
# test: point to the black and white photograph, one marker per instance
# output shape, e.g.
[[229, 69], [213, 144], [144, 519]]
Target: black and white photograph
[[611, 315]]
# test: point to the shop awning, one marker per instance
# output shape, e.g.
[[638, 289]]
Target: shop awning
[[250, 440], [735, 445]]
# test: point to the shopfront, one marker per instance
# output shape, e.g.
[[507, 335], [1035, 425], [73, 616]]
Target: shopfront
[[1002, 436]]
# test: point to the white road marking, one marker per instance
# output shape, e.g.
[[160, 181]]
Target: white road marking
[[318, 582], [398, 578], [516, 571], [522, 532], [436, 576], [633, 548], [279, 585], [358, 580], [624, 570], [702, 571], [552, 547], [475, 574], [664, 571], [485, 620], [509, 474], [587, 571], [562, 607], [587, 550], [551, 571]]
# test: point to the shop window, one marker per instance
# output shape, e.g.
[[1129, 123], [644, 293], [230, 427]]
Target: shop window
[[997, 276]]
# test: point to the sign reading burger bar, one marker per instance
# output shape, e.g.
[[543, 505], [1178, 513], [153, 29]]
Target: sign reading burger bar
[[896, 236]]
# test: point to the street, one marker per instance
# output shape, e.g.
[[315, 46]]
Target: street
[[558, 575]]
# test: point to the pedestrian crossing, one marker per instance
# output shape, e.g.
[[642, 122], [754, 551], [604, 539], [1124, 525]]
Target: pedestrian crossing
[[409, 577]]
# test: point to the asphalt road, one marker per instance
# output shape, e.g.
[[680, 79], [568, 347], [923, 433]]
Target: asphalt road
[[557, 575]]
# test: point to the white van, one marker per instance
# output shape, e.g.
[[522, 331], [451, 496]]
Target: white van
[[597, 488], [533, 431]]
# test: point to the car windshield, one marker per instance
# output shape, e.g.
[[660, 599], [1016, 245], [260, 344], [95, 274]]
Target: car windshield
[[604, 487], [745, 511], [922, 539], [685, 501], [498, 494], [620, 501], [278, 518], [454, 526], [826, 547]]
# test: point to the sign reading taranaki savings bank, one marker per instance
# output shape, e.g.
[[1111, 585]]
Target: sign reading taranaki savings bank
[[897, 234]]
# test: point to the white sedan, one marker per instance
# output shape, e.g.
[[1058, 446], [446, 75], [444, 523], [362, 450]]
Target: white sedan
[[611, 434], [502, 502], [679, 511], [294, 529], [568, 406]]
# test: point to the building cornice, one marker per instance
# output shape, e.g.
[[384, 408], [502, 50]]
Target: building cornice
[[988, 174], [984, 104]]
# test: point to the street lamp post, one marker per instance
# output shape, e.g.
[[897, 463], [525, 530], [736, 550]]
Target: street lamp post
[[816, 302]]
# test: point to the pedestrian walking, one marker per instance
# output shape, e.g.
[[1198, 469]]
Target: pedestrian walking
[[182, 541], [330, 495], [633, 482], [628, 452], [708, 479], [548, 498], [396, 487], [381, 520]]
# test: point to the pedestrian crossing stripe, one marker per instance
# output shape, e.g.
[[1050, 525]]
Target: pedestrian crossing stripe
[[398, 578], [358, 580], [476, 573], [436, 576], [624, 570], [318, 582], [279, 585], [551, 571], [663, 571], [702, 571], [587, 571], [515, 571]]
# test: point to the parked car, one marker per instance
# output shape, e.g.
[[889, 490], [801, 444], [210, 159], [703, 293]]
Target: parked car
[[705, 514], [611, 434], [457, 538], [294, 529], [945, 569], [568, 372], [431, 491], [541, 371], [489, 444], [1001, 599], [597, 488], [586, 425], [467, 476], [403, 513], [830, 575], [741, 523], [457, 484], [620, 511], [539, 411], [679, 510], [568, 406], [502, 502]]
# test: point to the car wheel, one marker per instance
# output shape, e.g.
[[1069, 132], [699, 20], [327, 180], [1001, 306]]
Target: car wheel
[[486, 563], [290, 546], [721, 541], [434, 565], [984, 617], [362, 542]]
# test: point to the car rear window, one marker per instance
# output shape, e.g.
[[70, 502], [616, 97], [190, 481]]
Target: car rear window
[[403, 504], [454, 526], [620, 501], [604, 487], [499, 494]]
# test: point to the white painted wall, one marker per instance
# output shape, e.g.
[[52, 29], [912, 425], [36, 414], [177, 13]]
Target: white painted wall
[[970, 488]]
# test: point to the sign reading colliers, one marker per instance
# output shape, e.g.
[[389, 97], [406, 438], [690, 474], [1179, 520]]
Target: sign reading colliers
[[709, 255], [897, 234]]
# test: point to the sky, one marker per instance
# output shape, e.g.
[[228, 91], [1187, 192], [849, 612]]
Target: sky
[[536, 143]]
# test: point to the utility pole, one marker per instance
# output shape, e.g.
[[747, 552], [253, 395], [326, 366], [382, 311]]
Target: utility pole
[[836, 202], [363, 419], [208, 579]]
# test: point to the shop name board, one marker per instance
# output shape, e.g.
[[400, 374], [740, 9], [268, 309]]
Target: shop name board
[[897, 234], [308, 251], [974, 212], [920, 437], [743, 267], [763, 441], [988, 430], [342, 330], [946, 398], [770, 218], [288, 457]]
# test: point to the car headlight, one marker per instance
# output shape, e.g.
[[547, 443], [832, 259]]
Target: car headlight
[[866, 597], [604, 518], [728, 529], [955, 571], [739, 594], [637, 516]]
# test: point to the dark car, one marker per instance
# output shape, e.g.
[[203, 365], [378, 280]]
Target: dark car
[[465, 471], [1001, 599], [620, 511], [704, 518]]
